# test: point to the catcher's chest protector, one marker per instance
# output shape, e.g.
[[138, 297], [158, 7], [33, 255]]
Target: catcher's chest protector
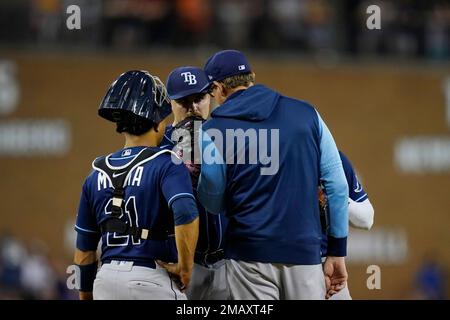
[[118, 177]]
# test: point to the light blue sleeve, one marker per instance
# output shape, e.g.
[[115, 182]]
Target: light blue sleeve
[[212, 181], [333, 177]]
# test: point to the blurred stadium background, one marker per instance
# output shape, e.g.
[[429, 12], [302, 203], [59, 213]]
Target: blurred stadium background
[[384, 93]]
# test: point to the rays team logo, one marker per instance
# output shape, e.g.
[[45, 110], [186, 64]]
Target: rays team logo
[[189, 78]]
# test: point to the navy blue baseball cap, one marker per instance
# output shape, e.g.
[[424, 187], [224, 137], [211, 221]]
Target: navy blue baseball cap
[[184, 81], [226, 63]]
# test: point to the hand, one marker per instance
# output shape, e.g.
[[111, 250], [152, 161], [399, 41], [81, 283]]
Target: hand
[[179, 112], [335, 274], [85, 295], [181, 277]]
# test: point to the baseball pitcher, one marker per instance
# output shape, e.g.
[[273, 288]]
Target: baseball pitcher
[[188, 88]]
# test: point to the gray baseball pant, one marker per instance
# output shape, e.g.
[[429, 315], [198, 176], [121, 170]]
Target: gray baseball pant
[[344, 294], [209, 283], [121, 280], [274, 281]]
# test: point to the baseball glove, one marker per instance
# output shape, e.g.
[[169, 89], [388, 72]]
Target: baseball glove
[[186, 145]]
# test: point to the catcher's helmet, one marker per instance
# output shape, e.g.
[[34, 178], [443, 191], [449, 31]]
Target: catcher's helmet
[[134, 99]]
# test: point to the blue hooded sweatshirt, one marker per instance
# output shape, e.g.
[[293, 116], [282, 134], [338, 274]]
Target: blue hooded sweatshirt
[[272, 203]]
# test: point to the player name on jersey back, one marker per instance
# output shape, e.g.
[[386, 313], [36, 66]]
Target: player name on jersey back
[[134, 179]]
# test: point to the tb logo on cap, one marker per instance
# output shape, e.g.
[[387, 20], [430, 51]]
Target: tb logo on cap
[[190, 78]]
